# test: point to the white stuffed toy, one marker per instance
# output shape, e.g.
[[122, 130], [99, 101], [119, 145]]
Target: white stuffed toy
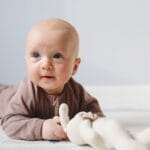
[[101, 133]]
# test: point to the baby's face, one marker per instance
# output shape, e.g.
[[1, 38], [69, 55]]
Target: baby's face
[[51, 60]]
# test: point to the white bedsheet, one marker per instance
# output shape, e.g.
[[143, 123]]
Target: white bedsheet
[[130, 105], [7, 143], [133, 120]]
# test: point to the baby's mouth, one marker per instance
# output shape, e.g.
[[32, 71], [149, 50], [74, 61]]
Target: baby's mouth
[[47, 77]]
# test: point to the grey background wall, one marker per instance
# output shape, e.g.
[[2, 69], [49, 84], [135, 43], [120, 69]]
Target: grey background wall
[[114, 38]]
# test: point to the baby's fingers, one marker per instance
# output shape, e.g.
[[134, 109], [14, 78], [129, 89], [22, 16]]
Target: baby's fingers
[[60, 133], [56, 119]]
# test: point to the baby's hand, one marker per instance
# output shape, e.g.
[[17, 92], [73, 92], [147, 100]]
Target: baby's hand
[[89, 115], [52, 130]]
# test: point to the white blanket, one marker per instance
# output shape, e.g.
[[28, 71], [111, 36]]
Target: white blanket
[[132, 120], [129, 105], [7, 143]]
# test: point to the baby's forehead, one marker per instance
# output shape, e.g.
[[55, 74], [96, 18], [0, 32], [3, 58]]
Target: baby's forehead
[[45, 29], [54, 25]]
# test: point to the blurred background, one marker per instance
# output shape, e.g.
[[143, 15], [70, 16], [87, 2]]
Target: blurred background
[[114, 38]]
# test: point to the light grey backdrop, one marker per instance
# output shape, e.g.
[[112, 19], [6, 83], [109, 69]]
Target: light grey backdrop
[[114, 38]]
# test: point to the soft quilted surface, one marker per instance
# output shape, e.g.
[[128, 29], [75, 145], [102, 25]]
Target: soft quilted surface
[[127, 104], [9, 144], [133, 120]]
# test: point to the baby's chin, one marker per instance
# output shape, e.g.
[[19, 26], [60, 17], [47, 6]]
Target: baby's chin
[[50, 86], [53, 91]]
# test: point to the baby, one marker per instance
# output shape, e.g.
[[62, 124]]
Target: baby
[[30, 109]]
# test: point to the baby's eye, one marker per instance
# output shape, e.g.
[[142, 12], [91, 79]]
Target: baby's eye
[[35, 55], [57, 56]]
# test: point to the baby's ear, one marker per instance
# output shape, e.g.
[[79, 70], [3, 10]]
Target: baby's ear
[[76, 65]]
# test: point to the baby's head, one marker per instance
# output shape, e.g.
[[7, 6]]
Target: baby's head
[[52, 54]]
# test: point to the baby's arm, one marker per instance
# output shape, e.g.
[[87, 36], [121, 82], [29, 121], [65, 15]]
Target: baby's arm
[[89, 103], [22, 121], [52, 130]]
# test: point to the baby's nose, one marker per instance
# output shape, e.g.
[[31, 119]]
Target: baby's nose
[[47, 65]]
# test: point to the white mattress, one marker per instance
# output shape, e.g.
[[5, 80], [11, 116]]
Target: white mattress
[[133, 120], [10, 144], [130, 105]]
